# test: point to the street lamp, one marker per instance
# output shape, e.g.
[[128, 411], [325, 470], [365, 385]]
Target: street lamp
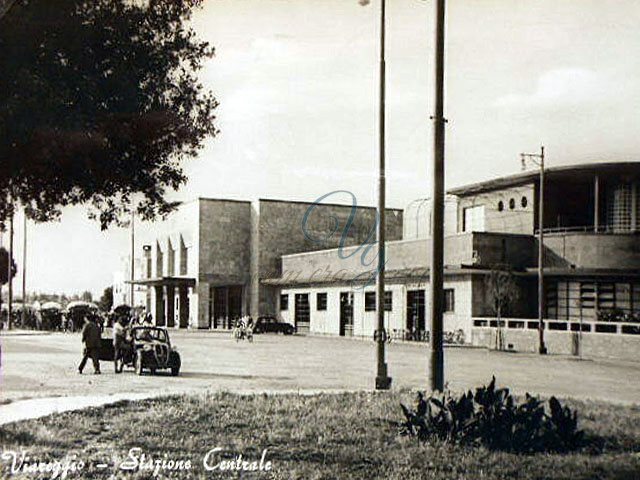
[[538, 160], [383, 381], [436, 354]]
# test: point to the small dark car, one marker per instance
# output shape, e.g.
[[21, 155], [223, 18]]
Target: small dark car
[[271, 324], [150, 348]]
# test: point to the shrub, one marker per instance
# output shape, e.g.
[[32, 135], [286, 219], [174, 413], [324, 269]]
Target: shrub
[[493, 418]]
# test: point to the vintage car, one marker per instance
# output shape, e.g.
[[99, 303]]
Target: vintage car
[[149, 349], [271, 324], [76, 312]]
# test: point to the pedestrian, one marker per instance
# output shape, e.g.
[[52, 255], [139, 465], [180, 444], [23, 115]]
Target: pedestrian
[[118, 345], [91, 340]]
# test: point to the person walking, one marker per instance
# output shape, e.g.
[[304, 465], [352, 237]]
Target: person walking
[[118, 345], [91, 340]]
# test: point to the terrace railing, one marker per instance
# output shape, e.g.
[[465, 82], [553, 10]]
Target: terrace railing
[[585, 326]]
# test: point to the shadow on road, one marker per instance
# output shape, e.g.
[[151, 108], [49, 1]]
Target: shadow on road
[[213, 376]]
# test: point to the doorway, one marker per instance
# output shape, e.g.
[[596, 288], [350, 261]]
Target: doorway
[[346, 314], [302, 313], [227, 306], [415, 311]]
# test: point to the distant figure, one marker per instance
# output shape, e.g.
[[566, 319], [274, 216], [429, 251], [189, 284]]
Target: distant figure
[[91, 340], [148, 319], [119, 340]]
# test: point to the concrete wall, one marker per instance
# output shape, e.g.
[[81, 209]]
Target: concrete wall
[[605, 345], [591, 250], [518, 251], [479, 249], [517, 220]]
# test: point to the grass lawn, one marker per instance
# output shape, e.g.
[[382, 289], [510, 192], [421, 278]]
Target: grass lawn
[[309, 437]]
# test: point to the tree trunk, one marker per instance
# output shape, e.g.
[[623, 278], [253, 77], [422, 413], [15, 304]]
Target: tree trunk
[[499, 342]]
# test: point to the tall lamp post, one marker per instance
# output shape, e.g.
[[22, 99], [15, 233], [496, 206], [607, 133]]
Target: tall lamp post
[[436, 355], [9, 275], [24, 268], [383, 381], [133, 264], [538, 160]]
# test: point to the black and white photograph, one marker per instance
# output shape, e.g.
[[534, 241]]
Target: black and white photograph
[[320, 239]]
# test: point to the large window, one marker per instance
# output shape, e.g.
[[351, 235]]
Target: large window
[[184, 258], [449, 300], [582, 299], [370, 301], [159, 262], [321, 301], [473, 219], [284, 302], [171, 261]]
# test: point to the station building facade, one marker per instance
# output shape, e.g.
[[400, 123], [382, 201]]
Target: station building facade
[[215, 260], [591, 221], [206, 264]]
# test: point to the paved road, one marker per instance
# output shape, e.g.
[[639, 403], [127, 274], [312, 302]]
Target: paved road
[[46, 366]]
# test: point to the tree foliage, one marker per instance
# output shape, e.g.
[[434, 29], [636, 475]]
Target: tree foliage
[[106, 300], [100, 104], [4, 266]]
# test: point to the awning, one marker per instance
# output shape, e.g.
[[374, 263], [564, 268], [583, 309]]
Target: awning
[[585, 272], [164, 281], [344, 277]]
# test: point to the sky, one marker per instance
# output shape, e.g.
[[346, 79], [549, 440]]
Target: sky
[[297, 83]]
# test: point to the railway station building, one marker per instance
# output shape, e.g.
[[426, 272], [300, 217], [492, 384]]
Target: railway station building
[[215, 260]]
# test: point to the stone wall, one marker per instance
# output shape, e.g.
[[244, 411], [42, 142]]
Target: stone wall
[[281, 229], [225, 238]]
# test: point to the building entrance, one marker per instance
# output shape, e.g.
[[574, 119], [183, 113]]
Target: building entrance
[[415, 311], [227, 306], [346, 314], [302, 313]]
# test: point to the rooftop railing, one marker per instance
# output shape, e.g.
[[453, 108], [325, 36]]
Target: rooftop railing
[[602, 229]]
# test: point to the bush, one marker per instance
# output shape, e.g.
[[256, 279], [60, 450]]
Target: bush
[[493, 418]]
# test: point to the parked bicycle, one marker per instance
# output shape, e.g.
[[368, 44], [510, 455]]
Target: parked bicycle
[[243, 330]]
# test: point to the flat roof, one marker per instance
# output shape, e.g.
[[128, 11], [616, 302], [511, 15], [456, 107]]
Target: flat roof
[[568, 171], [397, 275], [302, 202]]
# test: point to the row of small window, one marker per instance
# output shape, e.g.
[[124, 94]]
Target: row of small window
[[512, 203], [370, 301], [321, 301]]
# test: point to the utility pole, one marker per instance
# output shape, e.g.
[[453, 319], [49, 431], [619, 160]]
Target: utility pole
[[436, 357], [24, 268], [383, 381], [132, 267], [10, 272], [538, 159]]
